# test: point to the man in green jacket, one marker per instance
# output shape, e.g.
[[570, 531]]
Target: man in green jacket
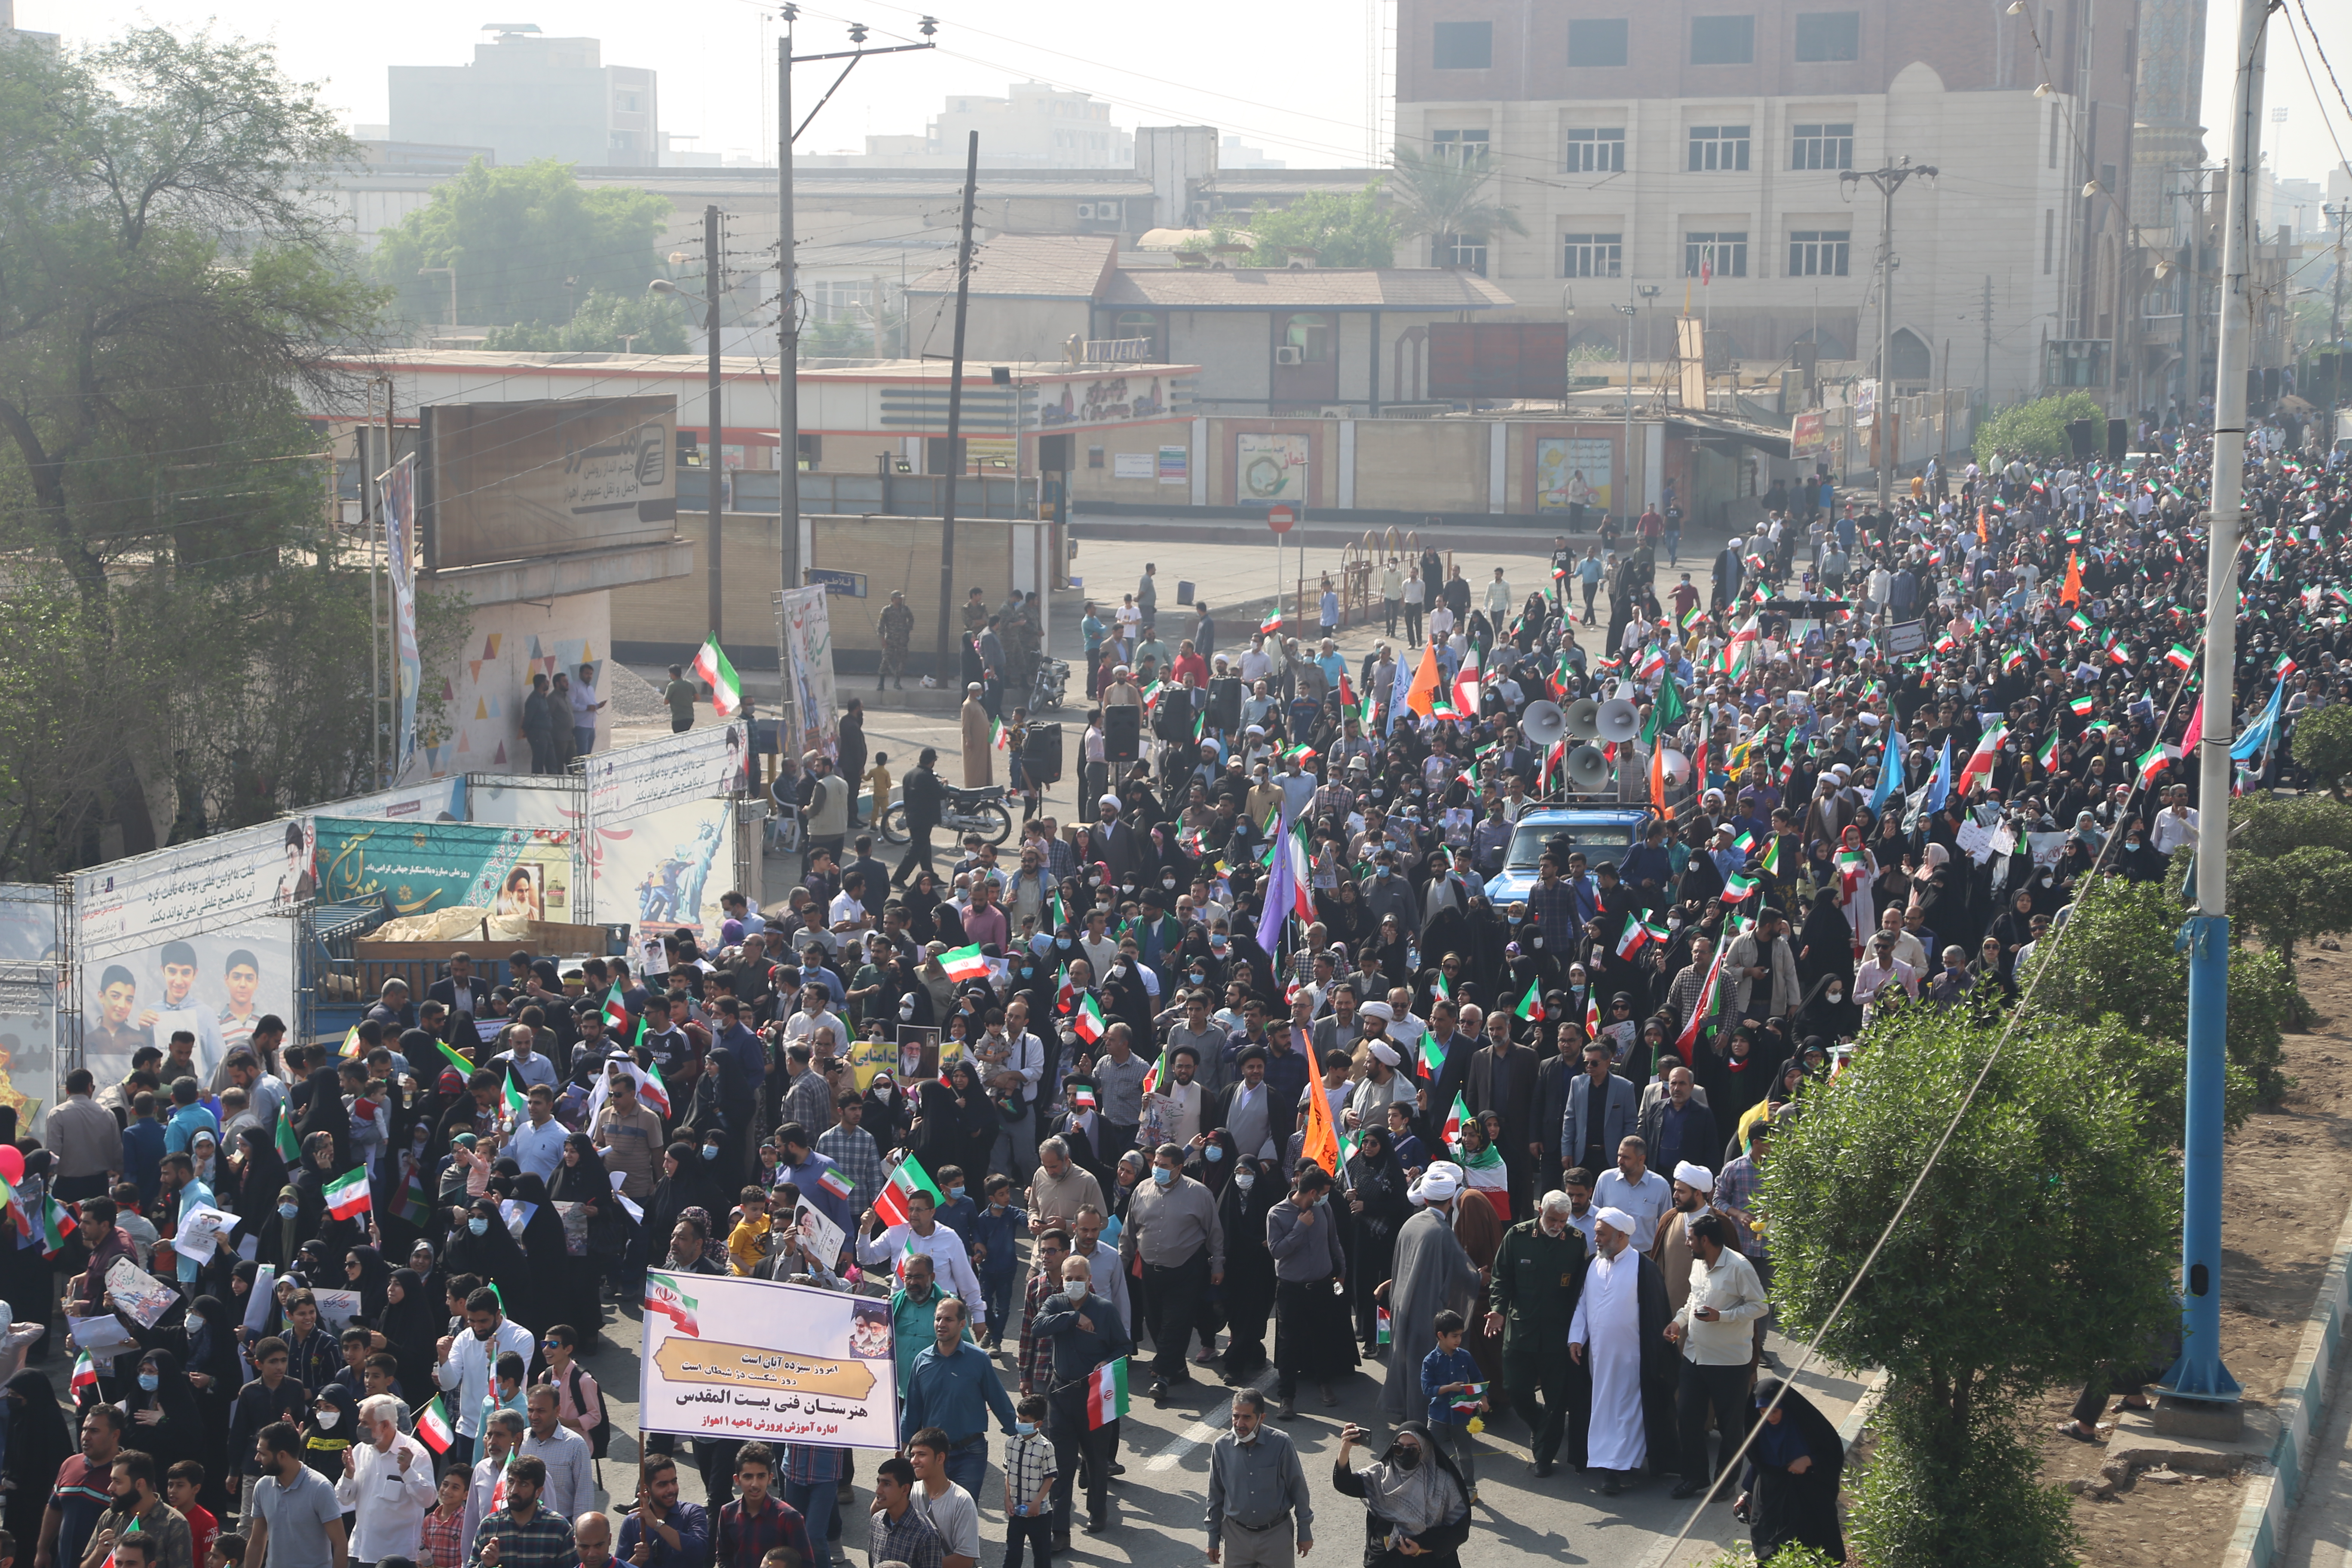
[[1538, 1270]]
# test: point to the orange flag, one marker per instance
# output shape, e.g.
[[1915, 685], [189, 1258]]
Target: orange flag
[[1983, 535], [1421, 696], [1658, 781], [1321, 1141], [2072, 594]]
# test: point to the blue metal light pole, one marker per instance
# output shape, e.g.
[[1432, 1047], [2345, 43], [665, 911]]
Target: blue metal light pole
[[2201, 1395]]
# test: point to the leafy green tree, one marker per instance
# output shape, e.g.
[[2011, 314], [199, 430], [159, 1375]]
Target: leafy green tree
[[608, 323], [1342, 231], [2290, 875], [2134, 999], [181, 629], [1437, 196], [2323, 743], [2035, 430], [2051, 1189], [529, 243]]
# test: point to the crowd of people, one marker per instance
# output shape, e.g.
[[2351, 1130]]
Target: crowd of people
[[1258, 1072]]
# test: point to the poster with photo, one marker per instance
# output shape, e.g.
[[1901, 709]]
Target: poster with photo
[[28, 1003], [217, 986], [516, 873], [664, 871], [713, 1363]]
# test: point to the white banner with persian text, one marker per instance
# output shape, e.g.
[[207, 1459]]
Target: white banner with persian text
[[703, 761], [194, 888], [714, 1363]]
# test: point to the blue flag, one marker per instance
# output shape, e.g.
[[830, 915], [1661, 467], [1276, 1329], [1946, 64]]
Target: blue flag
[[2258, 734], [1940, 785], [1890, 776]]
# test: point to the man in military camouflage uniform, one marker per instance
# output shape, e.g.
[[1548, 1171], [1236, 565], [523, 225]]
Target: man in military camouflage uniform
[[897, 627]]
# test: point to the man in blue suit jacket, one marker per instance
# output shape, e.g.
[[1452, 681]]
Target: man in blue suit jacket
[[1602, 1110]]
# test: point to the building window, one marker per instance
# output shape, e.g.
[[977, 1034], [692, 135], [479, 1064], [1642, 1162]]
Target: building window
[[1602, 151], [1721, 255], [1818, 253], [1723, 41], [2049, 234], [625, 101], [1467, 148], [1821, 147], [1828, 35], [1597, 43], [1142, 324], [1719, 147], [2054, 116], [1466, 252], [1310, 335], [1463, 47], [1591, 255]]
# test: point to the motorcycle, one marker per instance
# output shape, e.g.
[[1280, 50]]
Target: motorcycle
[[1046, 690], [981, 811]]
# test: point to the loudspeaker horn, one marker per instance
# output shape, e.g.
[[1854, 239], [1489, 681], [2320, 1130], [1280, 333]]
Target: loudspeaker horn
[[1588, 770], [1618, 720], [1583, 718], [1543, 723], [1677, 766]]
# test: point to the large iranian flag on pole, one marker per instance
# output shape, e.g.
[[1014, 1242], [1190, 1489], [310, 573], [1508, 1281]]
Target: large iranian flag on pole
[[726, 693], [1702, 1009], [1107, 1393], [905, 1182]]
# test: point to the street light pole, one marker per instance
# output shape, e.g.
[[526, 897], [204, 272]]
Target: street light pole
[[1888, 179]]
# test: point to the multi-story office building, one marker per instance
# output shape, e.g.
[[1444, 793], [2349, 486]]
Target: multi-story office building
[[529, 96]]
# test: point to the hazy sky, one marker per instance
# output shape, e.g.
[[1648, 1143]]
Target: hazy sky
[[1287, 78]]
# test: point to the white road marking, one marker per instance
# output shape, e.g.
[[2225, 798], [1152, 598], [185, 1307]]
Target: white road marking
[[1200, 1432]]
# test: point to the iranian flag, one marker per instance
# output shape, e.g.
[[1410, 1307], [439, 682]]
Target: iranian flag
[[1743, 647], [836, 1180], [2284, 667], [289, 1148], [1089, 1019], [1592, 1012], [965, 964], [1454, 1120], [2077, 622], [999, 736], [1531, 1006], [1271, 624], [1432, 1056], [85, 1372], [1981, 760], [1158, 1073], [1628, 943], [2151, 762], [664, 1298], [1384, 1330], [347, 1194], [2047, 757], [1082, 1097], [1466, 684], [2179, 657], [450, 1053], [726, 693], [905, 1182], [432, 1427], [1702, 1009], [617, 1011], [2084, 707], [1737, 887], [1107, 1393], [57, 1224]]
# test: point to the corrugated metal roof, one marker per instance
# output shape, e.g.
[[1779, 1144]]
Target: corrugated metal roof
[[1429, 289]]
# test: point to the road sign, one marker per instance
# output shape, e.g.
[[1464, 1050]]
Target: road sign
[[1280, 518]]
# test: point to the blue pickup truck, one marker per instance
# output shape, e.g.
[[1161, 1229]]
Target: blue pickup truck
[[1602, 832]]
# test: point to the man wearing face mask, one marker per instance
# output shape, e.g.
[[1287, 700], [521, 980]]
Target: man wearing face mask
[[1258, 1501], [465, 1363], [1173, 1227], [1083, 1332]]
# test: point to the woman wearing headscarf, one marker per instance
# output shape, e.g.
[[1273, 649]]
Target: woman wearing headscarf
[[536, 1306], [1828, 1009], [1863, 882], [1254, 1188], [1214, 1163], [313, 1222], [1790, 1493], [1825, 941], [330, 1429], [886, 1111], [581, 1178], [484, 1248], [1411, 1492], [937, 1132], [365, 1271], [414, 1321], [323, 1111], [1377, 1206], [684, 1184], [166, 1420], [256, 1203], [39, 1442]]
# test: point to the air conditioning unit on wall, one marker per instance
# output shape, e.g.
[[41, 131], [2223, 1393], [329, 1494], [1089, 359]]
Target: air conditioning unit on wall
[[1085, 212], [1288, 354]]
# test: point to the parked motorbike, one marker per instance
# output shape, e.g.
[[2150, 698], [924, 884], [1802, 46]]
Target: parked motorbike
[[981, 811]]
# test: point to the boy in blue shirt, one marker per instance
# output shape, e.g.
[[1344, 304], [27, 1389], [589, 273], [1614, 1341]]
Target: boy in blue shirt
[[1449, 1375], [958, 1211], [994, 1239]]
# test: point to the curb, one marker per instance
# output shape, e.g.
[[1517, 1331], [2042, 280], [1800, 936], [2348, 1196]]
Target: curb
[[2275, 1483]]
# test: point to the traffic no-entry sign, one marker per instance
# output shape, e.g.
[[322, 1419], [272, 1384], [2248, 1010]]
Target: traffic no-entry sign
[[1280, 518]]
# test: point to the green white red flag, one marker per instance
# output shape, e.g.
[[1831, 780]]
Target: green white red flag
[[726, 692]]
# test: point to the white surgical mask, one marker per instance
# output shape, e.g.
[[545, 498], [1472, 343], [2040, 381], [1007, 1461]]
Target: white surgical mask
[[1076, 1289], [327, 1419]]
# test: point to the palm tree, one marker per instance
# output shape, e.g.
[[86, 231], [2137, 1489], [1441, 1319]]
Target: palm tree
[[1437, 197]]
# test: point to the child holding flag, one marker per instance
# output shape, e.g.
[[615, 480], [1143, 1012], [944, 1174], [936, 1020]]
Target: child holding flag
[[1458, 1397]]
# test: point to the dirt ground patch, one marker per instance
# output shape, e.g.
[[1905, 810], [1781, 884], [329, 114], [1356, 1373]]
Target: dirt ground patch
[[2285, 1184]]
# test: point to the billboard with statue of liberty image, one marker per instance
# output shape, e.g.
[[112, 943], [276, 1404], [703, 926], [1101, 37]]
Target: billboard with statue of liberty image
[[664, 871]]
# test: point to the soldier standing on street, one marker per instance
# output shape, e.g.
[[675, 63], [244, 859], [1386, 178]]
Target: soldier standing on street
[[896, 628]]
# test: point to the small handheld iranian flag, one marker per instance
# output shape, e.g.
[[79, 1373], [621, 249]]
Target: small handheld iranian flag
[[85, 1372], [1593, 1014], [2179, 657], [1432, 1056], [664, 1298], [1107, 1393], [2084, 707], [1271, 624], [1737, 887], [1082, 1097], [1384, 1330], [347, 1194], [57, 1224], [1454, 1120], [289, 1148], [905, 1182], [726, 693], [1088, 1020], [836, 1181], [2047, 757], [965, 964], [432, 1427], [617, 1011], [1531, 1006], [1466, 1402]]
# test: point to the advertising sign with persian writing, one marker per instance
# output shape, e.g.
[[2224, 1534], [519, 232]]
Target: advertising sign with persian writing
[[199, 886], [516, 873], [514, 481], [631, 781], [714, 1363]]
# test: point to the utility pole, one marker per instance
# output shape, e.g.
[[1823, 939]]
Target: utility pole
[[2200, 1395], [788, 331], [955, 405], [2340, 212], [1888, 178], [712, 468]]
